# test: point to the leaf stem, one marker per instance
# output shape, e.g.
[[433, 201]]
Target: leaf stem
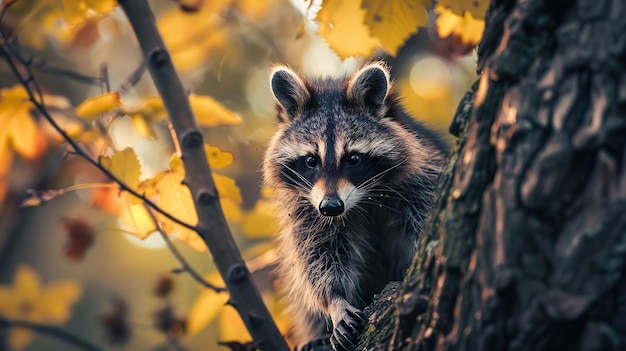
[[90, 186]]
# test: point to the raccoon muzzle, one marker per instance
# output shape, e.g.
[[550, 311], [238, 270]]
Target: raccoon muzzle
[[331, 205]]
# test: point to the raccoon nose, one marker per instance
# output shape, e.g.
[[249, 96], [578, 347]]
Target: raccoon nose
[[331, 205]]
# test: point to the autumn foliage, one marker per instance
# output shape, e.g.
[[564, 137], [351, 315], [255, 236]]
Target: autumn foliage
[[63, 62]]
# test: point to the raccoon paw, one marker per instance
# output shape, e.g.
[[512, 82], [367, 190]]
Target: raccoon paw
[[348, 329]]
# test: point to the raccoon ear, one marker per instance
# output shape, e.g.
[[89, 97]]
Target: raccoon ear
[[369, 87], [290, 93]]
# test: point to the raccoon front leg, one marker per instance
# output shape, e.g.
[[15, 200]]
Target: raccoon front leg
[[348, 324]]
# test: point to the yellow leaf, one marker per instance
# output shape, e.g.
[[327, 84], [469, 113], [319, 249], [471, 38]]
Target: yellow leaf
[[136, 217], [466, 28], [341, 23], [207, 306], [76, 11], [19, 131], [209, 112], [231, 327], [227, 188], [204, 310], [217, 158], [176, 165], [95, 106], [29, 301], [261, 221], [232, 210], [192, 37], [56, 299], [125, 166], [27, 281], [142, 126], [150, 108], [101, 6], [255, 10], [188, 236], [267, 192], [393, 21], [175, 199], [277, 305], [477, 8]]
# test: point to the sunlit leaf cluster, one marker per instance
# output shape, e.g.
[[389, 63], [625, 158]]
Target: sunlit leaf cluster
[[360, 27]]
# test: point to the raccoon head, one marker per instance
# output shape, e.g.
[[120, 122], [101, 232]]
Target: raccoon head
[[335, 145]]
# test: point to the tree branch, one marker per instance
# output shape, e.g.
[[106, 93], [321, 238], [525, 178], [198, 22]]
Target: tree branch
[[75, 340], [212, 225]]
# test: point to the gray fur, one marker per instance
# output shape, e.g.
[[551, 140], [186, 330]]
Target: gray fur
[[332, 266]]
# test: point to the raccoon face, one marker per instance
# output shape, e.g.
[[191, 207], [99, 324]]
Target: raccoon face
[[334, 146]]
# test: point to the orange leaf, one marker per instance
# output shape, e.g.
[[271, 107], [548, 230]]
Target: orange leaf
[[108, 199]]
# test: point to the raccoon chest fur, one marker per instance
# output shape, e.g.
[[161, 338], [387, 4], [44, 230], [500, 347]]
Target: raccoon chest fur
[[353, 178]]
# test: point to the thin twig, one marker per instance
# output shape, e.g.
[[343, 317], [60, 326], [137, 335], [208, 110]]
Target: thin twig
[[43, 68], [25, 20], [51, 331], [4, 7], [185, 265], [133, 78], [77, 149], [105, 85]]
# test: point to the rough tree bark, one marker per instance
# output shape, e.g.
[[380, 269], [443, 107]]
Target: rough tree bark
[[526, 248]]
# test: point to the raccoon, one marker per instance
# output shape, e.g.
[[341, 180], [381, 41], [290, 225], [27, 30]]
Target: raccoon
[[353, 176]]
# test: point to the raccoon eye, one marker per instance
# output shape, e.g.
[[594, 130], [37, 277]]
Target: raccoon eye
[[310, 161], [354, 160]]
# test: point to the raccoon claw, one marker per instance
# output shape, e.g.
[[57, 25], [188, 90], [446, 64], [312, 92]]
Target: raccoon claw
[[347, 331]]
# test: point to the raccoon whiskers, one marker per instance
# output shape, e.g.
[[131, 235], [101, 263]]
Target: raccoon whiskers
[[304, 180], [380, 205], [383, 189], [295, 181], [359, 210], [370, 181]]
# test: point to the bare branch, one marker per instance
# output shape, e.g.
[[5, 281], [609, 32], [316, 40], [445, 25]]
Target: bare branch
[[43, 68], [75, 340], [133, 78]]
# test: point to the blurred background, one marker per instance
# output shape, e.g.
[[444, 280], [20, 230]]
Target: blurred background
[[222, 49]]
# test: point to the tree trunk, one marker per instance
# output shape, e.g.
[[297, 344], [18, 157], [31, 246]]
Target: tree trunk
[[526, 247]]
